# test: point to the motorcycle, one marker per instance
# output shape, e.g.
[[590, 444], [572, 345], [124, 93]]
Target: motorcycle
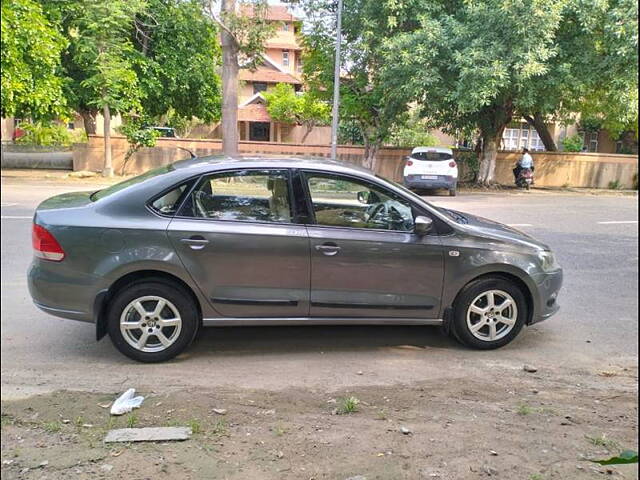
[[525, 178]]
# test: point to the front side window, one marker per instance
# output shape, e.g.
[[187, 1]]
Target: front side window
[[285, 58], [345, 202], [242, 195]]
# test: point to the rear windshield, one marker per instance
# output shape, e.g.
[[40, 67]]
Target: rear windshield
[[105, 192], [432, 156]]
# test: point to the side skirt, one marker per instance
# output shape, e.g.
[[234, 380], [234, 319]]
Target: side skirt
[[252, 322]]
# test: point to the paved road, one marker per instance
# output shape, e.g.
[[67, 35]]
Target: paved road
[[597, 326]]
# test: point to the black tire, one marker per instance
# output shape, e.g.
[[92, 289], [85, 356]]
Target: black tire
[[176, 295], [470, 292], [452, 192]]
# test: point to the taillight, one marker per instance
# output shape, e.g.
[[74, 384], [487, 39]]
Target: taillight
[[452, 163], [409, 163], [45, 245]]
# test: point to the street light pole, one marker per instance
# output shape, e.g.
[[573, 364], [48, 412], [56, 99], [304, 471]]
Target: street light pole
[[336, 86]]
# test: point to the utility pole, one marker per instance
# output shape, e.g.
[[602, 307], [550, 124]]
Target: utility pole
[[336, 86]]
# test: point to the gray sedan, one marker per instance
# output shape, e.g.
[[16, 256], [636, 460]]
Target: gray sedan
[[261, 241]]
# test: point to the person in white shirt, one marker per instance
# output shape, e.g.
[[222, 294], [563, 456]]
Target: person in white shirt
[[526, 161]]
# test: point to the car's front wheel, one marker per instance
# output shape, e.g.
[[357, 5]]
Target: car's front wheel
[[152, 321], [489, 313]]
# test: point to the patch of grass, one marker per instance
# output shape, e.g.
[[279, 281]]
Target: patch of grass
[[536, 476], [79, 421], [279, 431], [381, 415], [195, 426], [603, 441], [524, 409], [220, 428], [52, 427], [6, 420], [615, 185], [348, 405], [132, 420]]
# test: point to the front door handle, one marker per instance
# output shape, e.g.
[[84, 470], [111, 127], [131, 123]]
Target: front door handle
[[328, 249], [196, 242]]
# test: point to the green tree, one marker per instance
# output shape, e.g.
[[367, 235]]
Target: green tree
[[31, 47], [365, 98], [594, 72], [468, 64], [180, 51], [244, 28], [286, 106], [104, 50]]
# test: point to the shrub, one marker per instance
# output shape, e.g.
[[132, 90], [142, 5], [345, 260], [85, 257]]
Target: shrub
[[573, 143], [45, 134]]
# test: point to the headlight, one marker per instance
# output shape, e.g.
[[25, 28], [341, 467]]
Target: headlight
[[548, 261]]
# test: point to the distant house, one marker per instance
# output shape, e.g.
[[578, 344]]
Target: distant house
[[281, 63]]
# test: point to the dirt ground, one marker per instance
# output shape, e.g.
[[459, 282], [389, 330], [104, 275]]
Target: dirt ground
[[515, 425]]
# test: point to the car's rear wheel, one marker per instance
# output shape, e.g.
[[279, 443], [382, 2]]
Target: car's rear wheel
[[452, 192], [489, 313], [152, 321]]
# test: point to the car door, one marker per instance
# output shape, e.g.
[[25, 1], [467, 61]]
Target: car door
[[365, 259], [236, 234]]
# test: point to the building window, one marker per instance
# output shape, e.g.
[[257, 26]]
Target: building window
[[259, 87], [299, 64], [520, 135], [285, 26], [593, 142], [71, 125], [285, 58]]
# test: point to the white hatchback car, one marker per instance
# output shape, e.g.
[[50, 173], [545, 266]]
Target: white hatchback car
[[430, 168]]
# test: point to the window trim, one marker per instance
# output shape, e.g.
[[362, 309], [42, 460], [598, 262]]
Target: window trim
[[312, 213], [199, 179]]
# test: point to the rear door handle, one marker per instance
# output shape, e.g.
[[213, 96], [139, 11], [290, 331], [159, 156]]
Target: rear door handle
[[328, 249], [196, 242]]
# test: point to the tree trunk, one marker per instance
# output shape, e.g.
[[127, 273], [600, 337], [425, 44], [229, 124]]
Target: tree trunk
[[107, 171], [89, 120], [370, 154], [306, 133], [229, 125], [486, 175], [537, 122]]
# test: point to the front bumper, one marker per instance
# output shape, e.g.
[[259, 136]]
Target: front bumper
[[440, 181], [548, 288]]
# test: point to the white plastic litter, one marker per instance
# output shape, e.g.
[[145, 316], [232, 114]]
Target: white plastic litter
[[126, 402]]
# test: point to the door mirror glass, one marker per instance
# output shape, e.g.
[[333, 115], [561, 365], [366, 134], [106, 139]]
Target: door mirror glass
[[423, 225], [363, 197]]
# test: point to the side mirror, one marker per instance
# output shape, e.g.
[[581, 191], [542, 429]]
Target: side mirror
[[422, 225], [363, 197]]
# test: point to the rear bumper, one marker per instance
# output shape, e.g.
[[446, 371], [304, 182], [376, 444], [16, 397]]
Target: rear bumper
[[549, 285], [62, 293], [441, 181]]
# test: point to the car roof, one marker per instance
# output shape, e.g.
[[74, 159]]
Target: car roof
[[432, 149], [222, 162]]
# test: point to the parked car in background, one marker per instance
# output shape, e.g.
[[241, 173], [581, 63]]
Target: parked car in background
[[221, 241], [430, 168], [167, 132]]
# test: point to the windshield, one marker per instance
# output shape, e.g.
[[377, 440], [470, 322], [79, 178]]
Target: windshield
[[105, 192], [432, 156]]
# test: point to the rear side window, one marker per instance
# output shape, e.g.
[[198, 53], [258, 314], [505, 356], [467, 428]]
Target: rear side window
[[432, 156], [169, 203], [242, 195]]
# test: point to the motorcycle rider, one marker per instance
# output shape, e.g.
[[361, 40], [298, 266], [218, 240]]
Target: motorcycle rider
[[526, 161]]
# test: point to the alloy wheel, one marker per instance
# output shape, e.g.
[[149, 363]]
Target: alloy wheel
[[150, 323], [492, 315]]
